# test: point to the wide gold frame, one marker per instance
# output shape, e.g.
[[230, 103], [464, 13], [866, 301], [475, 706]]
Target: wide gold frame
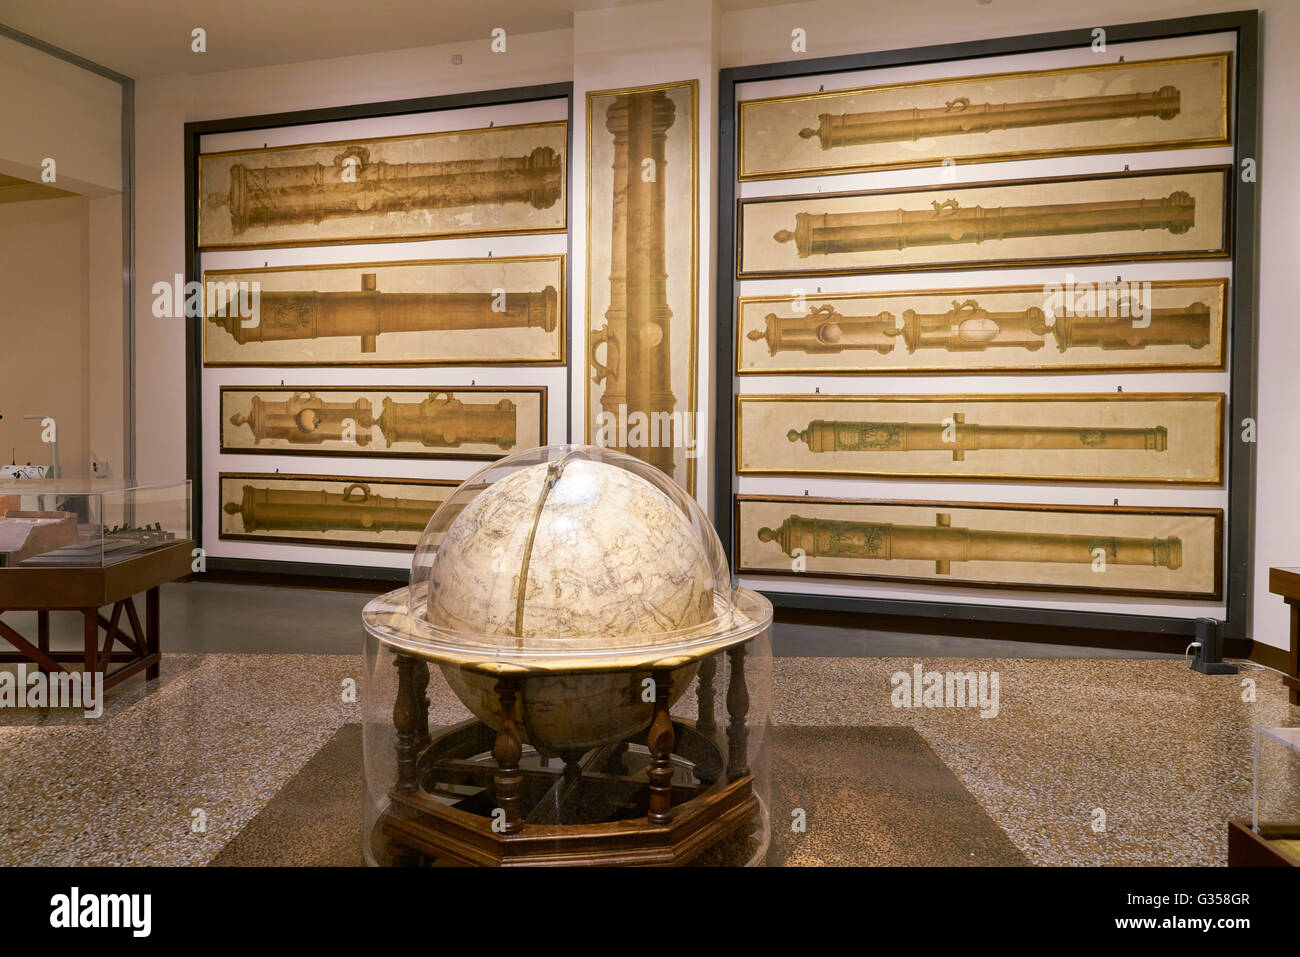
[[561, 306], [1224, 139], [296, 477], [1222, 252], [1215, 513], [540, 391], [965, 292], [692, 392], [413, 237], [1216, 397]]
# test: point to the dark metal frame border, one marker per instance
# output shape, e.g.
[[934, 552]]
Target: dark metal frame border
[[128, 229], [246, 536], [385, 454], [1242, 340], [1221, 343], [968, 265], [193, 326], [1032, 507]]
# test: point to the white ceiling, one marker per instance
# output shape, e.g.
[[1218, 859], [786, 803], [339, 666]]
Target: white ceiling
[[152, 37]]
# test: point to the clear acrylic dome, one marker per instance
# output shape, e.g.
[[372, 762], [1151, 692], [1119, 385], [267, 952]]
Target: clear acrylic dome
[[574, 552]]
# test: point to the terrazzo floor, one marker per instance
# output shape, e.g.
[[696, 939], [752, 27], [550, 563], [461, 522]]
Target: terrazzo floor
[[172, 773]]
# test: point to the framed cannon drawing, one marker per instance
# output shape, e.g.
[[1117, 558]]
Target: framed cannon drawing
[[479, 182], [1163, 438], [468, 422], [1161, 214], [642, 184], [1167, 552], [328, 510], [1071, 326], [1135, 106], [490, 311]]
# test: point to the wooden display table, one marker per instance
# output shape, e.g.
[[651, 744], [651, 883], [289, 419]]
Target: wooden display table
[[87, 589], [1286, 582], [1273, 848]]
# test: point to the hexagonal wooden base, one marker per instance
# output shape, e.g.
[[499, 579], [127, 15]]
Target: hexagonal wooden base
[[416, 822], [419, 825]]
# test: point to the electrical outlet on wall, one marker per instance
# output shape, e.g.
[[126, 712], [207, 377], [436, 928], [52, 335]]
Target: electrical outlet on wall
[[27, 471], [99, 468]]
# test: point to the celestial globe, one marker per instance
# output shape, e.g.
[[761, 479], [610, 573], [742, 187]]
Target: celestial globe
[[571, 556]]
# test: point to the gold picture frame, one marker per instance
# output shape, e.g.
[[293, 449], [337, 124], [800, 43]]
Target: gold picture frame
[[489, 181], [495, 310], [1086, 437], [1174, 553], [1162, 214], [642, 279], [429, 422], [1131, 106], [1057, 328], [290, 504]]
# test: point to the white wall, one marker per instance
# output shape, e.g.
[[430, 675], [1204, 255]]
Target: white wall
[[106, 373], [44, 357], [61, 262], [61, 331], [53, 109]]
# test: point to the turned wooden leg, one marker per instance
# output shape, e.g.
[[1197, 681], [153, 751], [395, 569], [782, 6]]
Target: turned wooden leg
[[421, 689], [707, 721], [737, 709], [405, 718], [660, 741], [507, 750]]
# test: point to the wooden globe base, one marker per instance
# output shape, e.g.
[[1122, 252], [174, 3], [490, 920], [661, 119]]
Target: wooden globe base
[[471, 795]]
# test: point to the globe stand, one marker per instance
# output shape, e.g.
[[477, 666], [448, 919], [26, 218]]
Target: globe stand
[[473, 795]]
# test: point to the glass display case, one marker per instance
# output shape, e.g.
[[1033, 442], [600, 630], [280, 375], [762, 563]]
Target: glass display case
[[45, 524], [569, 678], [1276, 815]]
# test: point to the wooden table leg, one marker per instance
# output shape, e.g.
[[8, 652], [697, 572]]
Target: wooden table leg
[[507, 750], [1291, 677], [152, 625], [660, 740], [405, 716], [420, 684], [707, 721], [90, 632], [42, 634], [737, 710]]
